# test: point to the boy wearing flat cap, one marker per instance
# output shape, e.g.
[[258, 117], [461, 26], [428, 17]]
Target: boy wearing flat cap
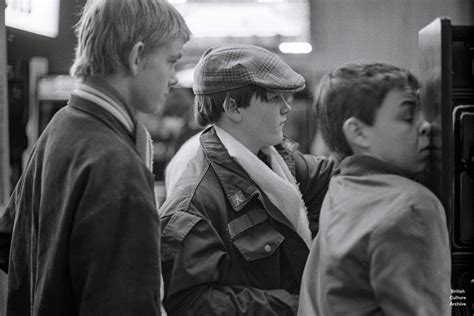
[[237, 227]]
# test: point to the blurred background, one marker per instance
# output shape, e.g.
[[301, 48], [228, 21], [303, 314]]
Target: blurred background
[[311, 35], [37, 48]]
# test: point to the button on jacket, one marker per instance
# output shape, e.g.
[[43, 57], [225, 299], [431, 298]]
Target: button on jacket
[[226, 249]]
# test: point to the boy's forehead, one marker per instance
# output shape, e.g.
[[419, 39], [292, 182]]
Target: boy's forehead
[[271, 94], [405, 92], [399, 99]]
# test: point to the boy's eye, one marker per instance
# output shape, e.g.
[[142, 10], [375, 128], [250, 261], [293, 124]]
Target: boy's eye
[[273, 97], [408, 113], [173, 59], [276, 98], [288, 98], [281, 98], [407, 116]]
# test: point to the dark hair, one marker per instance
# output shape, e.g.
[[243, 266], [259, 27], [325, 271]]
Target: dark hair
[[355, 90], [208, 108]]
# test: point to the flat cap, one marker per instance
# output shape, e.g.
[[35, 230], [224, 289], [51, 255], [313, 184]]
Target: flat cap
[[233, 66]]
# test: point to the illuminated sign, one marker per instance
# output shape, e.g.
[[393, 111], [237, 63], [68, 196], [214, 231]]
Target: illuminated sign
[[263, 22], [35, 16]]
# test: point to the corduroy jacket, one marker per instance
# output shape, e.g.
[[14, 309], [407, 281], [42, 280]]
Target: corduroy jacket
[[80, 235]]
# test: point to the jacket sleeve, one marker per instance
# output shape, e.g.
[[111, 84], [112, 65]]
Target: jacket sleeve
[[195, 264], [6, 227], [7, 218], [313, 175], [114, 261], [410, 263]]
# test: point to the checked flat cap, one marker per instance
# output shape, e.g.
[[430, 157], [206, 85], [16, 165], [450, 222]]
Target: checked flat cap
[[233, 66]]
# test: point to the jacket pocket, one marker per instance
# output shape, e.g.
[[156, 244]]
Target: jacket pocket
[[253, 235]]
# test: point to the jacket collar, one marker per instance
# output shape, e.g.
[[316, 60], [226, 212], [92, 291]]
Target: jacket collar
[[286, 150], [362, 165], [104, 87], [96, 111], [236, 183]]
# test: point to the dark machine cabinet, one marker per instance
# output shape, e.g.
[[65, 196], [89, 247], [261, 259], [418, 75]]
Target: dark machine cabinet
[[447, 100]]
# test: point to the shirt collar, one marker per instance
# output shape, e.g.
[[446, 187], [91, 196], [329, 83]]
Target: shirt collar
[[361, 165], [106, 88]]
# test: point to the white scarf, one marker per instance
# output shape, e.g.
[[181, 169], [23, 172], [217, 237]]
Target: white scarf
[[277, 183]]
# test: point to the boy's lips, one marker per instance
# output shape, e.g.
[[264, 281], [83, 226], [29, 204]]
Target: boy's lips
[[426, 151], [427, 148]]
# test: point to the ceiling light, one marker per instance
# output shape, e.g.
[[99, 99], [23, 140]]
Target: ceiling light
[[295, 47]]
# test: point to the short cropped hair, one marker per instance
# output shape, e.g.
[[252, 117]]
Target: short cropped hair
[[108, 29], [208, 108], [355, 90]]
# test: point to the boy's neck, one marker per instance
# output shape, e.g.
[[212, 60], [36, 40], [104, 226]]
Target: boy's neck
[[240, 136]]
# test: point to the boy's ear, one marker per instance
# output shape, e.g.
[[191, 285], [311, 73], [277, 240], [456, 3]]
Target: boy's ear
[[135, 58], [356, 136], [231, 110]]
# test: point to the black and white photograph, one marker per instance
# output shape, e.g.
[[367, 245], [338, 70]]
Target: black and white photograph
[[237, 157]]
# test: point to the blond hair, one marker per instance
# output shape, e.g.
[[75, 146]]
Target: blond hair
[[108, 29]]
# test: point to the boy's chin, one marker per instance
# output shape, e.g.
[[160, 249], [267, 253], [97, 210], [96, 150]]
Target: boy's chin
[[415, 171], [276, 140]]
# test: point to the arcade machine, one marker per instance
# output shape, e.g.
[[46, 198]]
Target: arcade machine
[[447, 99]]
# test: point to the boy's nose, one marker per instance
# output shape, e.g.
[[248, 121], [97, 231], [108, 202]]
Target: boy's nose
[[425, 128], [173, 80]]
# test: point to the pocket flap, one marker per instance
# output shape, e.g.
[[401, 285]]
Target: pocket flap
[[259, 242], [246, 221]]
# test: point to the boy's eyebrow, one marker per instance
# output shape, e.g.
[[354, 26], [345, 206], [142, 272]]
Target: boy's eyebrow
[[177, 56], [271, 94], [409, 103], [412, 99], [284, 96]]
